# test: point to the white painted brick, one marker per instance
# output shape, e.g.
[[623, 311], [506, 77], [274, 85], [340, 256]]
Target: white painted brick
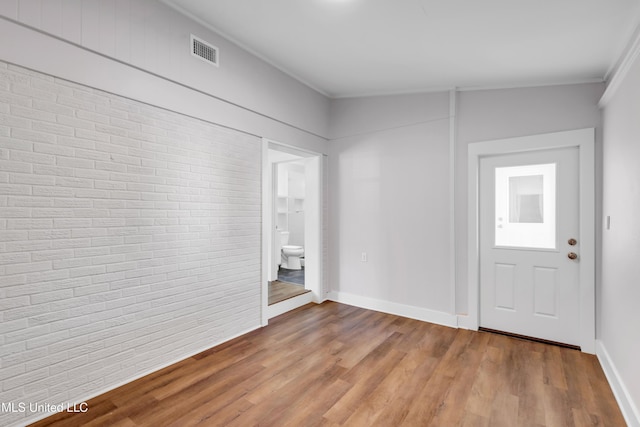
[[14, 212], [74, 182], [114, 167], [91, 135], [72, 222], [30, 113], [53, 128], [14, 258], [108, 260], [13, 77], [89, 193], [73, 121], [31, 92], [50, 87], [90, 252], [107, 222], [12, 371], [71, 243], [7, 236], [52, 170], [87, 271], [93, 155], [172, 202], [14, 121], [47, 276], [71, 263], [52, 255], [52, 191], [90, 289], [25, 312], [31, 179], [71, 343], [44, 297], [76, 163], [73, 102], [93, 98], [107, 241], [110, 185], [13, 166], [107, 277], [50, 359], [28, 268], [93, 117], [49, 234], [125, 124], [75, 142], [53, 149], [72, 203], [47, 318], [28, 224], [52, 107], [49, 212], [111, 205]]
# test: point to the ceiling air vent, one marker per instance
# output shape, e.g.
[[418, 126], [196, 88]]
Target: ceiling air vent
[[203, 50]]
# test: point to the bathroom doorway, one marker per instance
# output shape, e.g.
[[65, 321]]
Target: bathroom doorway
[[292, 228]]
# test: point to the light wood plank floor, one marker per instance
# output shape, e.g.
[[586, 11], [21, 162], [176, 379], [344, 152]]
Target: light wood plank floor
[[333, 364], [280, 291]]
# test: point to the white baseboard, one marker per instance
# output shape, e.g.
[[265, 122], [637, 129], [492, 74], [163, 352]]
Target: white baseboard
[[465, 322], [289, 304], [412, 312], [627, 406]]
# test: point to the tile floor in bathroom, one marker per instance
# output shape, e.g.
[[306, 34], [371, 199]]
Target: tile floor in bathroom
[[291, 276]]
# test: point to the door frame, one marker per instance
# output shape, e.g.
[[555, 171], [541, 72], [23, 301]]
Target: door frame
[[313, 229], [584, 140]]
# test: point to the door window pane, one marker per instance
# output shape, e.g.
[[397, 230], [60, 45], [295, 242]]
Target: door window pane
[[526, 206]]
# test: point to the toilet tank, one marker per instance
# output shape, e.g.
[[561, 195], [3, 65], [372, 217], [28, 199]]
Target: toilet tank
[[284, 238]]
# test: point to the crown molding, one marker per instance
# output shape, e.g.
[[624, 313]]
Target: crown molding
[[618, 74]]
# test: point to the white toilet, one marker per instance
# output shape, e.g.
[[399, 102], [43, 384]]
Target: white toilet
[[290, 254]]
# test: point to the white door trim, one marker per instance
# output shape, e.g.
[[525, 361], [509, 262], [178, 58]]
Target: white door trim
[[584, 139], [313, 229]]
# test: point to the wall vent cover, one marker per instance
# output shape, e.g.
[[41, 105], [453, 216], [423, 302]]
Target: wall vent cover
[[204, 51]]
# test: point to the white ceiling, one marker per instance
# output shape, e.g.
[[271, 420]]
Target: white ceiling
[[365, 47]]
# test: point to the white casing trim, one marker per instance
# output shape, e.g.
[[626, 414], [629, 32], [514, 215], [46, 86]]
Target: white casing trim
[[465, 322], [629, 410], [585, 140], [410, 311], [289, 304]]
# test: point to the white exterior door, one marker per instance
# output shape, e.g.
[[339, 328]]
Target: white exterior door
[[529, 225]]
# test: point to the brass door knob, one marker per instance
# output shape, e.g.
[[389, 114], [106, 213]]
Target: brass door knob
[[572, 242], [572, 255]]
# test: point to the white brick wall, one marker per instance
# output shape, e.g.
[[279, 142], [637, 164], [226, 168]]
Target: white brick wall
[[129, 238]]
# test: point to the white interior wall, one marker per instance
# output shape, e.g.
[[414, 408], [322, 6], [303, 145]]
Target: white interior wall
[[389, 193], [619, 319]]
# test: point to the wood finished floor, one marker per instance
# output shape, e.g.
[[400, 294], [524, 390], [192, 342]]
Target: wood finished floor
[[280, 291], [333, 365]]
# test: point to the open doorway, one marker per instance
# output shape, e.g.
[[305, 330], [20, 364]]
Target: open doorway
[[292, 228], [286, 276]]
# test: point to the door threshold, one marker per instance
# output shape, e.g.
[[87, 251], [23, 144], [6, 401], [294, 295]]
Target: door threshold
[[528, 338]]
